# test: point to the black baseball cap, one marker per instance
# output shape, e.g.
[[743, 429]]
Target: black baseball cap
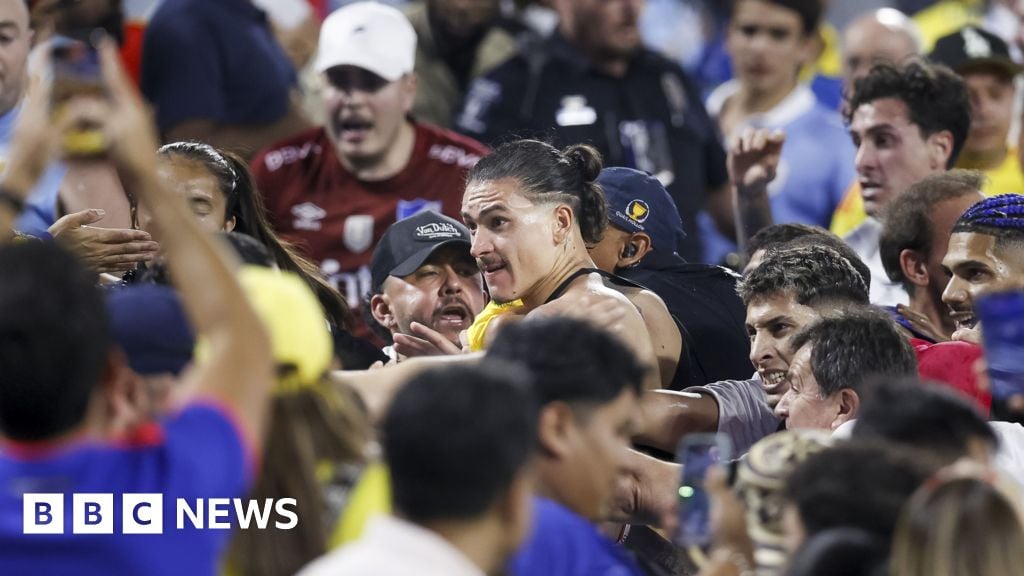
[[972, 48], [408, 243]]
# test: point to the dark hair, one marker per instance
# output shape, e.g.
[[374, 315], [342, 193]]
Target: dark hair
[[245, 204], [907, 220], [808, 10], [856, 485], [777, 234], [840, 552], [830, 240], [570, 360], [855, 347], [812, 274], [935, 97], [1000, 216], [455, 438], [54, 338], [550, 175], [249, 249], [927, 417]]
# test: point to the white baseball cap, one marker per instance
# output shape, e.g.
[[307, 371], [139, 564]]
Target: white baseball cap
[[370, 35]]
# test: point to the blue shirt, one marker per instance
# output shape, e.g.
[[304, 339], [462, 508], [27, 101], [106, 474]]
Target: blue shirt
[[196, 454], [41, 206], [563, 544], [214, 60], [815, 171]]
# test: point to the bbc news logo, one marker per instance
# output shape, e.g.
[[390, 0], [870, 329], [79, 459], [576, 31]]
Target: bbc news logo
[[144, 514]]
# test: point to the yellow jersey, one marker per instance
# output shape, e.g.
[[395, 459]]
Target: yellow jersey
[[1005, 178]]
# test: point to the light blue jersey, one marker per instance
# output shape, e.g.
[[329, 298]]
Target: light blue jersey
[[41, 207], [815, 171]]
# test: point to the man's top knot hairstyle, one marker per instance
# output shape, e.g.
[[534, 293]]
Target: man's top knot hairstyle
[[936, 98], [1000, 216], [548, 174], [812, 274]]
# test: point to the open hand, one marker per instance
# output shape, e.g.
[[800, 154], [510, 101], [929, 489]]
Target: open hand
[[424, 341], [103, 250], [922, 324]]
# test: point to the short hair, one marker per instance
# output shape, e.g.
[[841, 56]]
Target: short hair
[[829, 487], [1000, 216], [926, 417], [840, 552], [907, 220], [849, 350], [810, 12], [455, 437], [570, 360], [935, 97], [812, 274], [778, 234], [54, 340], [830, 240]]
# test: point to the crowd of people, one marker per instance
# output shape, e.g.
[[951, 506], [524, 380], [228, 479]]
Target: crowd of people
[[455, 285]]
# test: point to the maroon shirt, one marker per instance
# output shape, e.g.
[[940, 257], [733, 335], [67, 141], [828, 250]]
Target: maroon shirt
[[337, 220]]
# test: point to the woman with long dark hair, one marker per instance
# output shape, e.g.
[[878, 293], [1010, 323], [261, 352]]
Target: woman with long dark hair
[[221, 193]]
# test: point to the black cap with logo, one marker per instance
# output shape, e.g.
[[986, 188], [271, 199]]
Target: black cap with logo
[[972, 48], [408, 243]]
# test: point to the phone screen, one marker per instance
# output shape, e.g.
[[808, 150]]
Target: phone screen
[[77, 72], [1002, 316], [698, 453], [76, 67]]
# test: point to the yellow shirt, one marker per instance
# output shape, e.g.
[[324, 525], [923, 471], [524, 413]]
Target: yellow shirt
[[477, 333], [1005, 178], [850, 212], [946, 17], [371, 496]]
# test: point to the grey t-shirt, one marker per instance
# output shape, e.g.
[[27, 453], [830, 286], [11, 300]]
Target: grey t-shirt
[[743, 411]]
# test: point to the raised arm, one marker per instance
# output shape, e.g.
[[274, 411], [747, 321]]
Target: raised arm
[[238, 369], [753, 161]]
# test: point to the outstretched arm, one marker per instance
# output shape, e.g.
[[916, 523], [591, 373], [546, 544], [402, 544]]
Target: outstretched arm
[[239, 368]]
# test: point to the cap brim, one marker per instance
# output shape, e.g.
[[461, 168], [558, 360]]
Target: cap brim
[[325, 63], [1008, 67], [412, 263]]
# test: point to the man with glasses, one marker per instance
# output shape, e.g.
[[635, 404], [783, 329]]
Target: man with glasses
[[335, 190]]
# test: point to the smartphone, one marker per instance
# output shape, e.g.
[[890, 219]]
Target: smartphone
[[76, 71], [1001, 317], [698, 453]]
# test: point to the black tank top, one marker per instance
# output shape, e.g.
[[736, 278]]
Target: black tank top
[[680, 379], [585, 271]]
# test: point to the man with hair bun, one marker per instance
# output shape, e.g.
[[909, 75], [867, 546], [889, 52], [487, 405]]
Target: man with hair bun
[[593, 80], [532, 211]]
